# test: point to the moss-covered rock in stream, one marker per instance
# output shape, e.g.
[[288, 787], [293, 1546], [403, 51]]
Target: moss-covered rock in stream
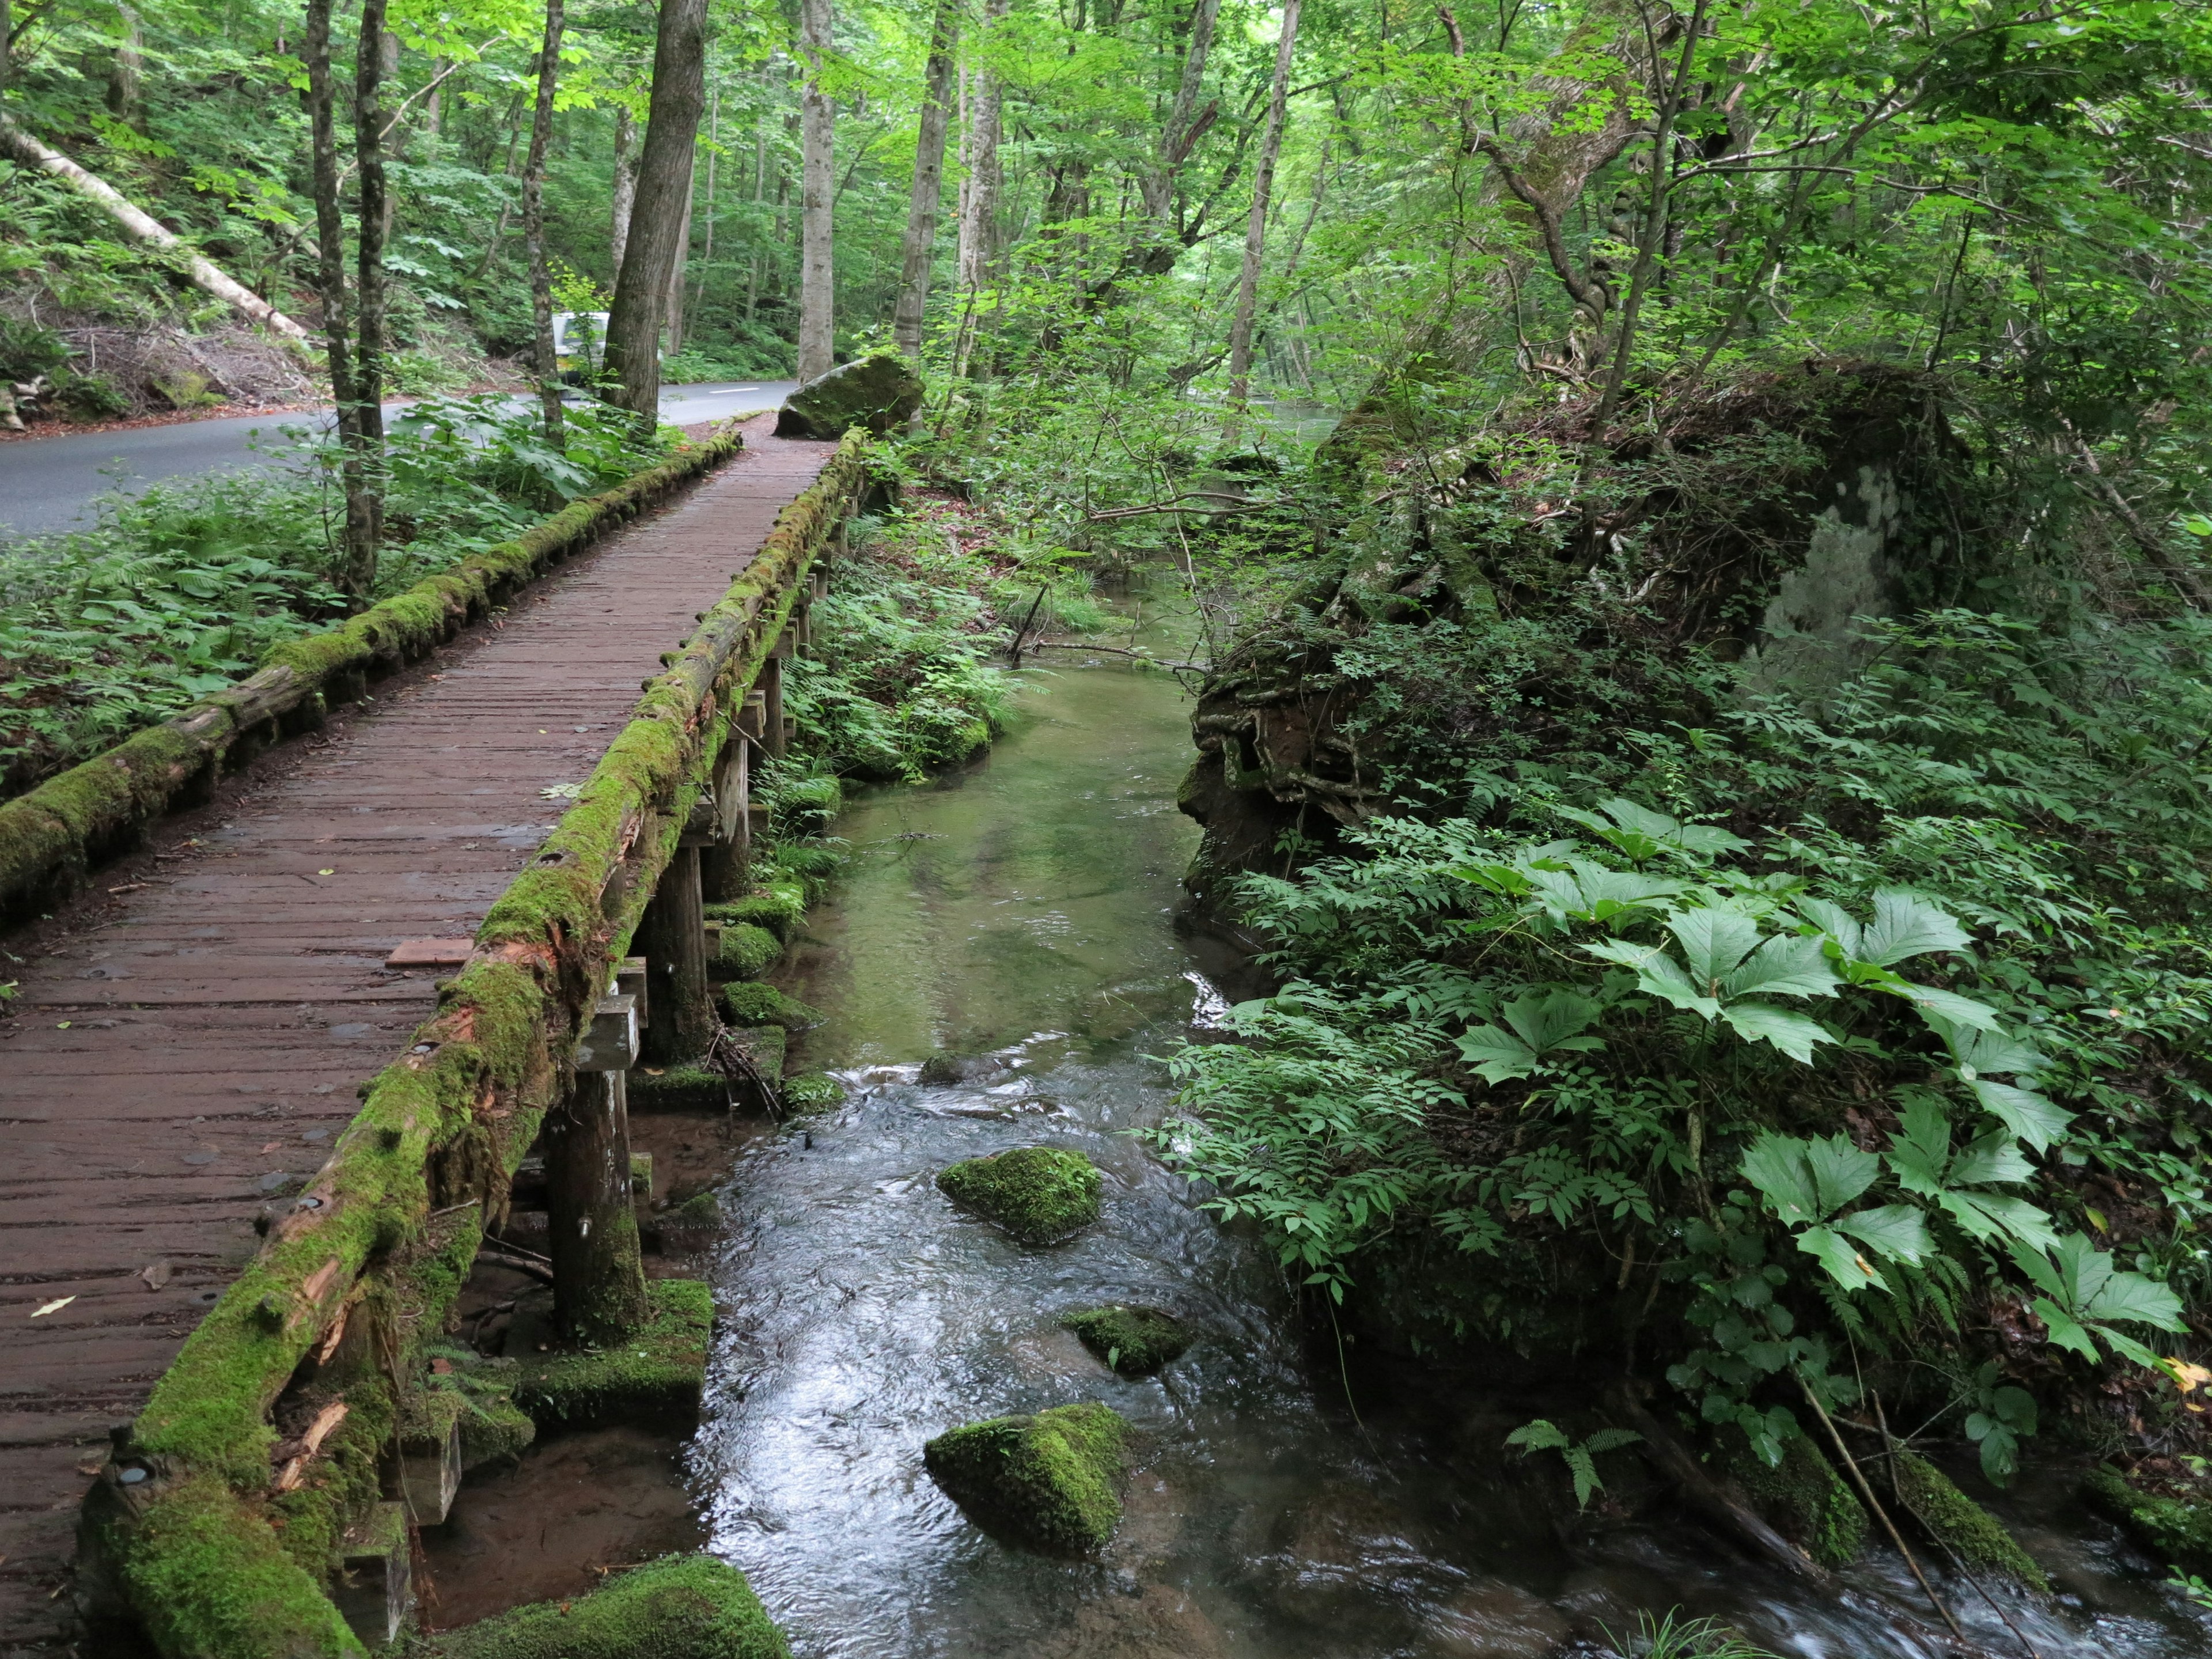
[[877, 391], [805, 1092], [677, 1089], [1960, 1525], [1134, 1341], [2175, 1529], [1053, 1478], [481, 1391], [655, 1373], [743, 951], [1804, 1500], [1037, 1194], [682, 1606], [778, 911], [748, 1002]]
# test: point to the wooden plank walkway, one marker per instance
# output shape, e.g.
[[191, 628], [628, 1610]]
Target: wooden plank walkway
[[185, 1048]]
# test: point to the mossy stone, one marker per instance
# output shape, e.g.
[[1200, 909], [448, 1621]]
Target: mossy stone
[[682, 1606], [744, 950], [657, 1371], [677, 1089], [805, 1092], [1134, 1341], [1804, 1500], [748, 1002], [779, 913], [877, 391], [1952, 1518], [1038, 1194], [2177, 1531], [1054, 1478], [764, 1045]]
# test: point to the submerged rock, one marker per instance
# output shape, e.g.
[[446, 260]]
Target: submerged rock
[[1951, 1517], [1054, 1478], [1804, 1500], [1037, 1194], [877, 391], [691, 1606], [1134, 1341], [943, 1069]]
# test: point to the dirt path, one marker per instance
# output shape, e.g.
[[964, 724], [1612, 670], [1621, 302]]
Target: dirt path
[[188, 1039]]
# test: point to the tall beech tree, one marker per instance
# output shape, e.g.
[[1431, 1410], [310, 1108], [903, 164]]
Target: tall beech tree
[[533, 222], [817, 199], [657, 218], [917, 249]]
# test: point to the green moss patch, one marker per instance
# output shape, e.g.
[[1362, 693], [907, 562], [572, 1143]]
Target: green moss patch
[[656, 1371], [2177, 1531], [1038, 1194], [678, 1089], [765, 1046], [1804, 1500], [1952, 1518], [811, 1092], [778, 912], [683, 1606], [751, 1003], [1134, 1341], [745, 950], [1054, 1478]]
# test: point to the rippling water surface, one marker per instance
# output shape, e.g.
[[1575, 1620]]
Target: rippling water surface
[[1024, 910]]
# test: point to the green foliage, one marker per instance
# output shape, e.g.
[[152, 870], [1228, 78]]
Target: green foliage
[[1580, 1455], [1670, 1636]]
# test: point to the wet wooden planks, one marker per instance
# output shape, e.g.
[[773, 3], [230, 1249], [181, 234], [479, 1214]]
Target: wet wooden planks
[[185, 1049]]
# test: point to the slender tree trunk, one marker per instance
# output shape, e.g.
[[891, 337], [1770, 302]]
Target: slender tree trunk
[[1255, 228], [676, 275], [1176, 137], [818, 299], [6, 33], [625, 183], [919, 248], [127, 73], [663, 187], [387, 48], [369, 320], [714, 156], [979, 205], [355, 574], [434, 102], [533, 222]]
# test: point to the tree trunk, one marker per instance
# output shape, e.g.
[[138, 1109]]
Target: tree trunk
[[979, 196], [714, 156], [127, 73], [1255, 228], [533, 222], [143, 227], [918, 250], [818, 303], [1176, 137], [664, 185], [8, 34], [673, 936], [625, 183], [675, 275], [369, 343], [599, 1277]]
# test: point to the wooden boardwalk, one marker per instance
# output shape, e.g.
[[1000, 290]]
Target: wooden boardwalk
[[188, 1039]]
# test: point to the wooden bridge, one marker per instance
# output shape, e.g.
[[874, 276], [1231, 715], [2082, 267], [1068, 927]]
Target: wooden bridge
[[195, 1031]]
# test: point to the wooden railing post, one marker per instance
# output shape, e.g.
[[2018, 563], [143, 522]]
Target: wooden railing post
[[673, 937], [725, 867], [598, 1277]]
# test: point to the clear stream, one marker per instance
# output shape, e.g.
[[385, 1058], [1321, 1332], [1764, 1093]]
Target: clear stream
[[1025, 907]]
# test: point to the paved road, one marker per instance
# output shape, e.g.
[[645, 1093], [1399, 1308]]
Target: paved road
[[49, 484]]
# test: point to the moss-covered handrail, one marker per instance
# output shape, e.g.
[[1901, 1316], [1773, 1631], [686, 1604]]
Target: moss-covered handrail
[[52, 836], [222, 1555]]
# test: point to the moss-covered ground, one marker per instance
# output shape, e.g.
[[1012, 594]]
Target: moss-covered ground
[[1037, 1194], [1134, 1341], [751, 1003], [657, 1371], [743, 951], [683, 1606], [1053, 1478]]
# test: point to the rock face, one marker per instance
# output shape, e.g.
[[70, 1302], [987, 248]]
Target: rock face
[[1038, 1194], [1054, 1478], [1134, 1341], [877, 391]]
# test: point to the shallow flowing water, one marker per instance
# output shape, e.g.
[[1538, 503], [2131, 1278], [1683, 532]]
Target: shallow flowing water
[[1025, 910]]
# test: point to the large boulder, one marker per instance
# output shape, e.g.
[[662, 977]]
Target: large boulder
[[688, 1605], [1039, 1194], [877, 391], [1053, 1478]]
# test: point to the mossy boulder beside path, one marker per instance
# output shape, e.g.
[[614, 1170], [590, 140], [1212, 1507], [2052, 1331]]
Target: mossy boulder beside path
[[683, 1606], [1037, 1194], [1133, 1342], [877, 391], [1053, 1478]]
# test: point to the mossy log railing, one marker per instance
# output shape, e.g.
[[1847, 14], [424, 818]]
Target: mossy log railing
[[219, 1549], [52, 836]]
